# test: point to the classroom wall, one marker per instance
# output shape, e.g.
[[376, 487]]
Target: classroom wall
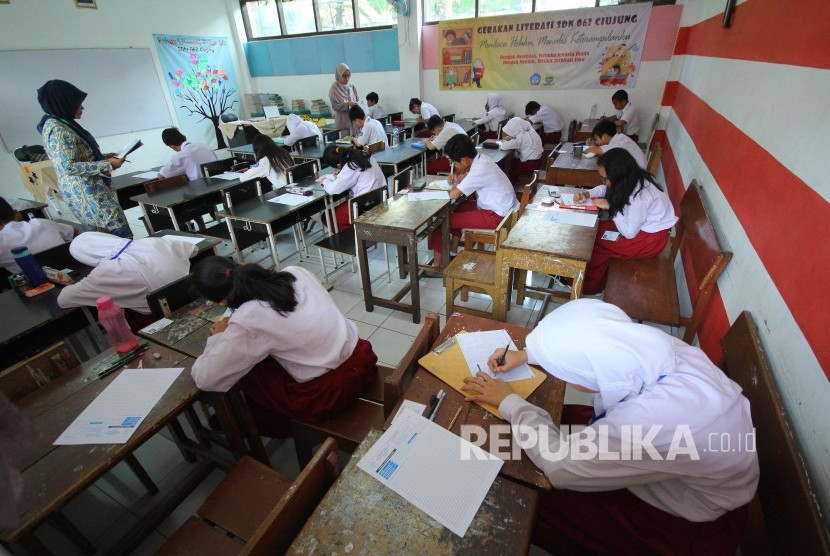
[[741, 106], [57, 24]]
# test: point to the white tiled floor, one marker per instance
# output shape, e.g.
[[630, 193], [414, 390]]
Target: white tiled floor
[[115, 502]]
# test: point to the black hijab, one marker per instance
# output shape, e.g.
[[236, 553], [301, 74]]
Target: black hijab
[[61, 100]]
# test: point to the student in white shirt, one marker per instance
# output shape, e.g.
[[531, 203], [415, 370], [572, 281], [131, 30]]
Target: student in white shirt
[[126, 270], [473, 173], [271, 161], [657, 403], [371, 130], [287, 364], [495, 114], [376, 111], [423, 110], [300, 129], [641, 216], [549, 118], [188, 158], [356, 173], [518, 135], [441, 133], [627, 117], [605, 137], [38, 234]]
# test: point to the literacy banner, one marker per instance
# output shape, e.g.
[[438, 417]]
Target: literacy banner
[[202, 80], [566, 49]]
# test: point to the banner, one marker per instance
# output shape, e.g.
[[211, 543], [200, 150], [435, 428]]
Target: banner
[[586, 48], [202, 80]]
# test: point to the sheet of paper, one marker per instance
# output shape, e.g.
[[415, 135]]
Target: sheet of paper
[[479, 346], [571, 217], [227, 176], [424, 463], [119, 410], [568, 199], [609, 235], [409, 405], [129, 147], [160, 324], [442, 185], [429, 196], [147, 175], [289, 199], [188, 239]]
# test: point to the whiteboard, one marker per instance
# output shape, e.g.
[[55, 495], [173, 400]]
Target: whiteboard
[[124, 94]]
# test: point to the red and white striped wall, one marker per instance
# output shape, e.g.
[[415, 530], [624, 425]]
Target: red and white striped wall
[[745, 112]]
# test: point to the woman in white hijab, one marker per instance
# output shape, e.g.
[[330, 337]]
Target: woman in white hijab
[[657, 483], [495, 114], [518, 134], [300, 129], [343, 95], [126, 270]]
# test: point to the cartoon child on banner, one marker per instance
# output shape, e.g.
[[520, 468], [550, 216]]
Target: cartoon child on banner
[[451, 78], [617, 66], [478, 72]]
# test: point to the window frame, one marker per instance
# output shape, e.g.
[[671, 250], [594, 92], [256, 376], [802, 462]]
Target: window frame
[[355, 18]]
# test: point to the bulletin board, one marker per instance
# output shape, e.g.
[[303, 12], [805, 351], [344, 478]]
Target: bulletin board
[[123, 88]]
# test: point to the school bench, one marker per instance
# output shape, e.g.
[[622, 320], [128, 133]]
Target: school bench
[[784, 517], [646, 289]]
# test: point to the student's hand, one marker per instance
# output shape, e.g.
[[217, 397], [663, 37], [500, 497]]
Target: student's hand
[[581, 196], [219, 326], [602, 203], [109, 155], [513, 359], [452, 179], [482, 388], [116, 163], [595, 150]]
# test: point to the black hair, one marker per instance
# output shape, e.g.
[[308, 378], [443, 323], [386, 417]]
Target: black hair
[[172, 137], [264, 147], [373, 97], [460, 146], [532, 107], [345, 156], [356, 113], [434, 121], [413, 102], [220, 279], [620, 95], [604, 127], [7, 213], [626, 177], [450, 32]]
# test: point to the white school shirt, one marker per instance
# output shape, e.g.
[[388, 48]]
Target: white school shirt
[[495, 192], [372, 132], [38, 234], [297, 341], [450, 129], [188, 161], [648, 210], [303, 131], [492, 118], [356, 181], [623, 141], [527, 144], [376, 111], [145, 266], [632, 120], [263, 169], [428, 111], [549, 118]]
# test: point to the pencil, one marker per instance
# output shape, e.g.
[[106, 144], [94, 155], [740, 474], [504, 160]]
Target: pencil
[[504, 355], [455, 417]]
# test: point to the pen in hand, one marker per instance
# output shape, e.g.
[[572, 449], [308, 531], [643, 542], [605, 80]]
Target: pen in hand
[[504, 355]]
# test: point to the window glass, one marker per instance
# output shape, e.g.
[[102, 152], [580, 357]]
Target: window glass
[[375, 13], [335, 15], [299, 16], [263, 18], [502, 7], [439, 10], [548, 5]]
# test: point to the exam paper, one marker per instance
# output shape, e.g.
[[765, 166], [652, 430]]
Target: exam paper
[[571, 217], [290, 199], [227, 176], [442, 185], [160, 324], [118, 411], [568, 199], [147, 175], [477, 348], [409, 405], [423, 462], [428, 196]]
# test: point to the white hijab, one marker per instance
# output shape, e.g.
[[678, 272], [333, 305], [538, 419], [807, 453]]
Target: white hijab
[[494, 101], [292, 122], [516, 126]]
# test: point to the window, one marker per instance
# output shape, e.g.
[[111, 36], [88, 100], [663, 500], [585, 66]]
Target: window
[[439, 10], [283, 18]]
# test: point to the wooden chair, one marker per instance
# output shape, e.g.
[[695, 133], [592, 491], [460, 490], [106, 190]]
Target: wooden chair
[[784, 517], [475, 270], [573, 127], [256, 510], [655, 123], [654, 159], [165, 183], [216, 167], [395, 117], [528, 193], [449, 118], [375, 147], [350, 427], [402, 179], [646, 289]]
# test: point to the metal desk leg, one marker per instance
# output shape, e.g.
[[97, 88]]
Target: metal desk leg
[[239, 258], [147, 222], [174, 219], [272, 243]]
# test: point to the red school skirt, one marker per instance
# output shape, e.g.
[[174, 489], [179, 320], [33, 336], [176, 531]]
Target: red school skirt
[[275, 397]]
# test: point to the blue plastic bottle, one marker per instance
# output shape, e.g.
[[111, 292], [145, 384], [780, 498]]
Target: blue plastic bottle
[[29, 266], [396, 137]]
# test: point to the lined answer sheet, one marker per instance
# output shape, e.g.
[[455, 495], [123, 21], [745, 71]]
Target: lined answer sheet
[[426, 464], [290, 199], [119, 410], [479, 346], [429, 196], [570, 217]]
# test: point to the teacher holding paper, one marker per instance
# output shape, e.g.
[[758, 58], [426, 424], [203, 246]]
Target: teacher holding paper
[[83, 171], [343, 95]]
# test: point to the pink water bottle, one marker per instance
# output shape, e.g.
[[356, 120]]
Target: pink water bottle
[[112, 319]]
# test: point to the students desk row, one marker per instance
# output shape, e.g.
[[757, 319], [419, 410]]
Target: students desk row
[[565, 169]]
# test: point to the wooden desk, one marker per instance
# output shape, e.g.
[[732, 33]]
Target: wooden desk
[[402, 156], [187, 335], [583, 132], [550, 396], [362, 516], [469, 126], [400, 221], [53, 475], [497, 155], [541, 246], [129, 185], [568, 170]]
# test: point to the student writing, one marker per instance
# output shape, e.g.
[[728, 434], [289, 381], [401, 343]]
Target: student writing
[[300, 129], [441, 133], [375, 111], [604, 137], [519, 135], [548, 118], [627, 116], [357, 173], [272, 161], [38, 234], [423, 110], [495, 113], [371, 130], [188, 157]]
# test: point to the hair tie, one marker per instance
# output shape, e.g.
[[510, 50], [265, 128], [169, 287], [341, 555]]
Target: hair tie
[[228, 273]]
